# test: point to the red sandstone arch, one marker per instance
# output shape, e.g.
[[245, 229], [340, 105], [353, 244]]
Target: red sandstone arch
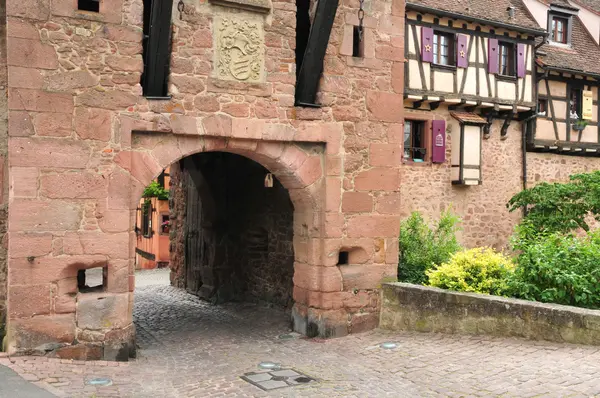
[[301, 172]]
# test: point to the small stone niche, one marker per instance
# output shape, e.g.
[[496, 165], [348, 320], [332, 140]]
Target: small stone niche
[[92, 280], [88, 5], [352, 255]]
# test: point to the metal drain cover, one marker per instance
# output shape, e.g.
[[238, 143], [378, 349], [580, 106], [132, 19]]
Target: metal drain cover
[[99, 381], [277, 379]]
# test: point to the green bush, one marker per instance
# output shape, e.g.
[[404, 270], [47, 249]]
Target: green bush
[[479, 270], [422, 247], [557, 268]]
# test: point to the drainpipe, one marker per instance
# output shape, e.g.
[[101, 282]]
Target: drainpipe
[[524, 152]]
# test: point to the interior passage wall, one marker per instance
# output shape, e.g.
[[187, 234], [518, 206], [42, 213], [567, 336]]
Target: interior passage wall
[[177, 191]]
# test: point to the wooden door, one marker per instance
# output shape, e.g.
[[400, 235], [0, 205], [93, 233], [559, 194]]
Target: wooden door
[[193, 236]]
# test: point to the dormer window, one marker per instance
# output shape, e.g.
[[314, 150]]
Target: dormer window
[[559, 29], [560, 24]]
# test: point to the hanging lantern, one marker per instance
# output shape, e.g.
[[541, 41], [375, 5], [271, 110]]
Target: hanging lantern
[[269, 180]]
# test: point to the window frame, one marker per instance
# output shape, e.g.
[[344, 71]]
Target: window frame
[[567, 31], [578, 90], [545, 106], [425, 126], [511, 58], [437, 47], [146, 221]]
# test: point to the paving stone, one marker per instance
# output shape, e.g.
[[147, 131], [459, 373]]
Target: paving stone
[[189, 348]]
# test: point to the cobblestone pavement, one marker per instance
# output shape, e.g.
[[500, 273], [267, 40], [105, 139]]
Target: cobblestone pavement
[[192, 349]]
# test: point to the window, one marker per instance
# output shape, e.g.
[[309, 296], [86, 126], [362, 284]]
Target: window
[[414, 141], [164, 224], [146, 218], [88, 5], [443, 49], [506, 59], [156, 47], [542, 107], [575, 103], [558, 29]]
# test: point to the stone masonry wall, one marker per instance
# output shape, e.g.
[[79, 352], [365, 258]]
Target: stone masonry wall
[[3, 168], [409, 307], [78, 162]]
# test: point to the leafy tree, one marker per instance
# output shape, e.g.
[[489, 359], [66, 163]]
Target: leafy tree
[[560, 207]]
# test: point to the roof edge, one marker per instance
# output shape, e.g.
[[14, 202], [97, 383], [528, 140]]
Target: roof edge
[[571, 71], [431, 10]]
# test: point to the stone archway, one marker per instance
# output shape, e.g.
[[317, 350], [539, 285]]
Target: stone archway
[[342, 252], [300, 171]]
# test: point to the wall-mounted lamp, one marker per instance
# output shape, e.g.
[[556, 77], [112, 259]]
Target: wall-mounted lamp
[[269, 180], [181, 8]]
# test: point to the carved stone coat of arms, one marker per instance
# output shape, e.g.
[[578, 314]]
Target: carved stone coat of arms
[[239, 50]]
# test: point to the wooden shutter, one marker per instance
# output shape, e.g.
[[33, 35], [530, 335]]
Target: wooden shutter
[[462, 58], [521, 60], [157, 55], [438, 141], [493, 55], [587, 105], [426, 44]]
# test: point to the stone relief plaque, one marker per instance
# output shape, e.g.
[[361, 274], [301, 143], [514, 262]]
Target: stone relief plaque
[[239, 49]]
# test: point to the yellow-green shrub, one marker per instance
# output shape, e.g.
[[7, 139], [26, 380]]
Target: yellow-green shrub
[[479, 270]]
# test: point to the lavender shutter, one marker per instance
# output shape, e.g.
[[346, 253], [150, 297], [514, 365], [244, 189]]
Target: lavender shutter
[[426, 44], [493, 55], [462, 60], [520, 60], [438, 141]]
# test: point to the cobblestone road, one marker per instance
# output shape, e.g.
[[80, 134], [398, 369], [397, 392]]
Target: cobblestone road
[[192, 349]]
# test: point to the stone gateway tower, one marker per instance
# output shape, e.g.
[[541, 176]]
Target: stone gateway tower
[[105, 94]]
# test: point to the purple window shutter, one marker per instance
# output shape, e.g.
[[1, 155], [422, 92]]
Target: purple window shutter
[[520, 60], [462, 58], [438, 141], [493, 55], [426, 44]]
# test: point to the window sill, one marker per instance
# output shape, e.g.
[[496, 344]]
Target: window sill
[[443, 67], [506, 77], [409, 162], [153, 98]]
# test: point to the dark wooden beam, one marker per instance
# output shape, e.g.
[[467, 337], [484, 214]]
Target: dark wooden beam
[[417, 104], [506, 124], [457, 106], [312, 63], [434, 105]]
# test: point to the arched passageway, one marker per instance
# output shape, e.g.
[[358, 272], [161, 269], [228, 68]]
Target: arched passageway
[[231, 230]]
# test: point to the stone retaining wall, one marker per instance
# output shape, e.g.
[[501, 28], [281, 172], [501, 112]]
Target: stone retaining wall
[[425, 309]]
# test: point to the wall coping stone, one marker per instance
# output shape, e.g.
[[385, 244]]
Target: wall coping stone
[[421, 308]]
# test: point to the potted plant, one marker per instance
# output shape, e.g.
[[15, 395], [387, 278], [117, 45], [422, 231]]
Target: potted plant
[[580, 124]]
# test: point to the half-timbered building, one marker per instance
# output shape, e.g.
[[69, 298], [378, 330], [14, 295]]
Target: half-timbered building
[[465, 71], [568, 74], [495, 94]]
